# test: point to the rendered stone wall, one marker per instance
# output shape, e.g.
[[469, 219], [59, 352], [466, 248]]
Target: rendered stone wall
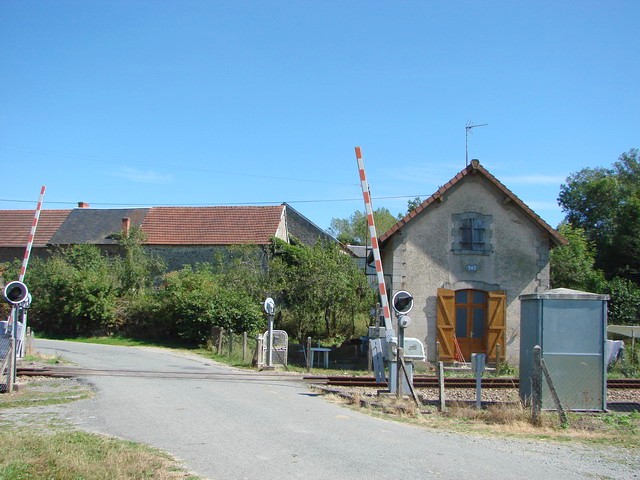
[[421, 258]]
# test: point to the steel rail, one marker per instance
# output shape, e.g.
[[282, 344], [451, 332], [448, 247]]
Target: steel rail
[[452, 382], [419, 381], [68, 372]]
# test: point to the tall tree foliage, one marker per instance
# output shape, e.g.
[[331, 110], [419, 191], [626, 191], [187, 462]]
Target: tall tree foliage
[[572, 265], [136, 268], [605, 203], [320, 290], [355, 229]]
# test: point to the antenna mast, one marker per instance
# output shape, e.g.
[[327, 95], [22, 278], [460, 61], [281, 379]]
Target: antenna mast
[[467, 130]]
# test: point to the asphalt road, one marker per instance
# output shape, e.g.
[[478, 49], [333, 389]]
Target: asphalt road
[[226, 428]]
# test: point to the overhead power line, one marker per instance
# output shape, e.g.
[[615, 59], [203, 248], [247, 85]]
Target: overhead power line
[[223, 204]]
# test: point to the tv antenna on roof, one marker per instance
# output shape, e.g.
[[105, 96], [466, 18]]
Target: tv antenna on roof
[[466, 138]]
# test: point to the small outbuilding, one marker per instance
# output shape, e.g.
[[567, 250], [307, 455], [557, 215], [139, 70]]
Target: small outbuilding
[[569, 326], [466, 254]]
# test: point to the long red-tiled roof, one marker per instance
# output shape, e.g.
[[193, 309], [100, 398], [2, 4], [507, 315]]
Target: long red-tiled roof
[[15, 226], [471, 169], [212, 225]]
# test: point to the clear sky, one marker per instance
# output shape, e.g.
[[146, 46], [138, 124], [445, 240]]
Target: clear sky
[[156, 102]]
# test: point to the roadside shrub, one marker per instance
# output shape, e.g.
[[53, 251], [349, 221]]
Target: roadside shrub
[[141, 317], [74, 293], [196, 300], [624, 306], [319, 290]]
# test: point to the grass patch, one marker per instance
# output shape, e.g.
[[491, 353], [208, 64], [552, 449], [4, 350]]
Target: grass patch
[[505, 420], [72, 455], [45, 392], [118, 340], [44, 446]]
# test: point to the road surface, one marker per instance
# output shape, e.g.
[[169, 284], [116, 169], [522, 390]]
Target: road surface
[[222, 427]]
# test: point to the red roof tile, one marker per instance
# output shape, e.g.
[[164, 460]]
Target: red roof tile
[[470, 170], [15, 226], [212, 225]]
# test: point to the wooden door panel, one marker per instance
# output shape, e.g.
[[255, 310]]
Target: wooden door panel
[[496, 323], [445, 323]]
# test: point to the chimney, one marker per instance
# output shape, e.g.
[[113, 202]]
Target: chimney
[[126, 226], [83, 205], [475, 163]]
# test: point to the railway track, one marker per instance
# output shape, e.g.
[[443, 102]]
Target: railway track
[[68, 372], [419, 381], [452, 382]]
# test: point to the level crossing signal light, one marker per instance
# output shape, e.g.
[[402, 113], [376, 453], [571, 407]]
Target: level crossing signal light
[[402, 302], [16, 292]]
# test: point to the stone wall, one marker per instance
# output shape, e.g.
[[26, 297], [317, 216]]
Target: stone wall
[[421, 257]]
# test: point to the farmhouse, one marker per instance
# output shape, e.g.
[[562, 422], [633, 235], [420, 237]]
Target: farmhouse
[[179, 235], [466, 254]]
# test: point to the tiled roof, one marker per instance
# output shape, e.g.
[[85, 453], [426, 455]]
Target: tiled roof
[[96, 226], [212, 225], [472, 169], [15, 226]]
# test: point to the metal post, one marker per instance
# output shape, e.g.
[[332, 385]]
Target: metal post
[[14, 349], [230, 346], [536, 386], [270, 343], [398, 372], [441, 386], [10, 375], [244, 346], [478, 387], [259, 351]]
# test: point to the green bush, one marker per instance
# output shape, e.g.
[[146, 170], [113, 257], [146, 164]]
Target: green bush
[[196, 300], [74, 293], [624, 305]]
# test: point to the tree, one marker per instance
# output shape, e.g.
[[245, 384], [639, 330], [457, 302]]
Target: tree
[[572, 265], [136, 269], [604, 202], [624, 303], [413, 204], [74, 293], [320, 290], [355, 229]]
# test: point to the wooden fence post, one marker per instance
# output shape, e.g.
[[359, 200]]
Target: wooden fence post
[[556, 400], [308, 355], [220, 335]]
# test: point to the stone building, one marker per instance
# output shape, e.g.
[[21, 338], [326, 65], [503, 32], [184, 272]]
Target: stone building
[[466, 254], [179, 235]]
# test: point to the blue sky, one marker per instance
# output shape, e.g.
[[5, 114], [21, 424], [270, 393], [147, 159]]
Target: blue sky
[[149, 103]]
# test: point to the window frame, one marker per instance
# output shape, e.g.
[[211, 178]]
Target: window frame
[[472, 234]]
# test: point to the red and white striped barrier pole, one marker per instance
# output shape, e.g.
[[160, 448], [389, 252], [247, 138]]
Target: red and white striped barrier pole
[[34, 225], [384, 300]]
